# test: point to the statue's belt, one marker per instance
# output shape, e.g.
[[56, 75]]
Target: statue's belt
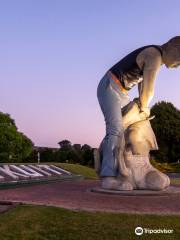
[[116, 80]]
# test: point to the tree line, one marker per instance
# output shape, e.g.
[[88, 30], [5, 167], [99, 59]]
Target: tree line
[[17, 147], [67, 152]]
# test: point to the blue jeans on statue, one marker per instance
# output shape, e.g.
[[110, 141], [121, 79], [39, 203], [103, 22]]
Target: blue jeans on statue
[[111, 100]]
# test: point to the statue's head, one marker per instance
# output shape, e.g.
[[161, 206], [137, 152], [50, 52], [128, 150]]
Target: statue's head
[[171, 52]]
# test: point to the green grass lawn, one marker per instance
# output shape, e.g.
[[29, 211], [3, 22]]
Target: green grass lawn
[[78, 169], [166, 167], [175, 180], [51, 223]]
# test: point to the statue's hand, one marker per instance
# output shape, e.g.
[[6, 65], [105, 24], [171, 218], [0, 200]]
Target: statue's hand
[[145, 113]]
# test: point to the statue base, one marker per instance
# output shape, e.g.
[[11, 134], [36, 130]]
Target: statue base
[[168, 191]]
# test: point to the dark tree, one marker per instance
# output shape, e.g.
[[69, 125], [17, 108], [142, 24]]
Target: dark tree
[[77, 147], [166, 126], [87, 155], [14, 145], [86, 147], [47, 155], [65, 144]]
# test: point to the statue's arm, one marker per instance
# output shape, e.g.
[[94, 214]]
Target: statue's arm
[[151, 67], [147, 91]]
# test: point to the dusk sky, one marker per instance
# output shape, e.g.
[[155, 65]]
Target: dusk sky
[[53, 54]]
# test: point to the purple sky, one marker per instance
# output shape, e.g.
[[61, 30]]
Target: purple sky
[[54, 52]]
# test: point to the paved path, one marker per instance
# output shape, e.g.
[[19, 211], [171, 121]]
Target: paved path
[[74, 195], [6, 206], [173, 175]]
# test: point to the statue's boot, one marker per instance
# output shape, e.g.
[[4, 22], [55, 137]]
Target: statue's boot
[[144, 175], [113, 183]]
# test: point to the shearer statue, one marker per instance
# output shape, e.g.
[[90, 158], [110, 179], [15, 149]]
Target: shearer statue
[[122, 160]]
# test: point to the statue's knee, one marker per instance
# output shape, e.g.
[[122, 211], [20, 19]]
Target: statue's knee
[[156, 180]]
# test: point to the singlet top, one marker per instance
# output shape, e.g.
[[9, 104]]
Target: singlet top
[[127, 70]]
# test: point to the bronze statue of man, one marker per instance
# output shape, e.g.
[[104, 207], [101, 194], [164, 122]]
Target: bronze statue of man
[[140, 68]]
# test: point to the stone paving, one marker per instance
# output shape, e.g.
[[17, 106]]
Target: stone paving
[[6, 206], [76, 195]]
